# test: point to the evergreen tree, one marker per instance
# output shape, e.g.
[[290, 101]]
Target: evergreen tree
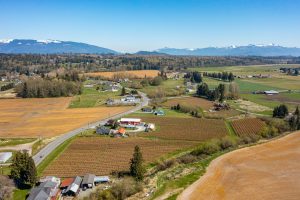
[[123, 92], [137, 169], [23, 169], [222, 92], [230, 77]]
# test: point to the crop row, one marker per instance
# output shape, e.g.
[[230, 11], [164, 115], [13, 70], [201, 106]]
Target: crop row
[[247, 126]]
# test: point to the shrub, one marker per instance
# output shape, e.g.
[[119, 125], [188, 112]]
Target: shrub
[[125, 188], [157, 81], [226, 143], [161, 166], [186, 159], [207, 148]]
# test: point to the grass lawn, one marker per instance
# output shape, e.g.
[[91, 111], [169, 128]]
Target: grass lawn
[[20, 194], [90, 97]]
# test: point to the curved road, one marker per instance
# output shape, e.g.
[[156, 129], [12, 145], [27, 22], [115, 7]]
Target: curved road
[[44, 152]]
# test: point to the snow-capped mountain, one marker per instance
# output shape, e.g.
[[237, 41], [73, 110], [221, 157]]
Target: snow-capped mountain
[[249, 50], [49, 47]]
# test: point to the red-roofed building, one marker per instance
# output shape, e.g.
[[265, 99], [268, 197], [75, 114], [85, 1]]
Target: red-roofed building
[[66, 182]]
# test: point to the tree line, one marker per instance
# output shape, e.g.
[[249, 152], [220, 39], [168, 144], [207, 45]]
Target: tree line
[[194, 77], [38, 64], [220, 93], [224, 76], [41, 88]]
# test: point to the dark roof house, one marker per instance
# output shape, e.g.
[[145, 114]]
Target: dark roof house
[[88, 181], [102, 130], [45, 191]]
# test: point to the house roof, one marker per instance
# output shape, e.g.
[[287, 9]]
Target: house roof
[[122, 130], [88, 179], [271, 92], [130, 120], [43, 191], [66, 182], [75, 185]]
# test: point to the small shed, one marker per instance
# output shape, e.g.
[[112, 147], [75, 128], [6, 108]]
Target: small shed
[[101, 179], [5, 156], [88, 181], [271, 92]]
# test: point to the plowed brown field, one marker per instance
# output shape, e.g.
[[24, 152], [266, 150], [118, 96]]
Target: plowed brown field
[[247, 126], [133, 74], [267, 171], [102, 155], [190, 101], [46, 117]]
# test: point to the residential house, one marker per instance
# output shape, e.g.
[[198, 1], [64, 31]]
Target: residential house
[[102, 130], [45, 191], [88, 181], [147, 110], [74, 188]]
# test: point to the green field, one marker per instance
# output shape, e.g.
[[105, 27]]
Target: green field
[[168, 86], [90, 97]]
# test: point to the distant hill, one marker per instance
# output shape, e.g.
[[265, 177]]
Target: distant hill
[[50, 47], [249, 50], [150, 53]]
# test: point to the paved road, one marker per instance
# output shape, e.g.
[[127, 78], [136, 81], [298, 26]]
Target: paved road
[[43, 153]]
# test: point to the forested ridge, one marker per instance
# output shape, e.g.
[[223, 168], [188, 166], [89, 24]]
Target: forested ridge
[[23, 63]]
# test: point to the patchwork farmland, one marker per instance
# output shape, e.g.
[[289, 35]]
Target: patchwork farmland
[[101, 155], [125, 74], [247, 126], [47, 117]]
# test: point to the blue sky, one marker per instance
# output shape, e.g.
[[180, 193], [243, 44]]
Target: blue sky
[[132, 25]]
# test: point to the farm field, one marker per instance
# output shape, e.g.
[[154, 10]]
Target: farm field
[[90, 97], [190, 101], [271, 169], [132, 74], [103, 155], [189, 129], [247, 126], [168, 87], [46, 117]]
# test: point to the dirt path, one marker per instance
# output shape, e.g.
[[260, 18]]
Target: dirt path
[[267, 171], [20, 147]]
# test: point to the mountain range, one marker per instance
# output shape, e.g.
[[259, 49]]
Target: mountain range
[[29, 46], [16, 46]]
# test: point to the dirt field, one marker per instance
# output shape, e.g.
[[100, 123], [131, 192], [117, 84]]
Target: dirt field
[[191, 129], [126, 74], [102, 155], [190, 101], [266, 171], [46, 117]]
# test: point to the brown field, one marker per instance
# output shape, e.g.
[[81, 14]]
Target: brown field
[[267, 171], [46, 117], [125, 74], [247, 126], [102, 155], [190, 101], [191, 129]]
